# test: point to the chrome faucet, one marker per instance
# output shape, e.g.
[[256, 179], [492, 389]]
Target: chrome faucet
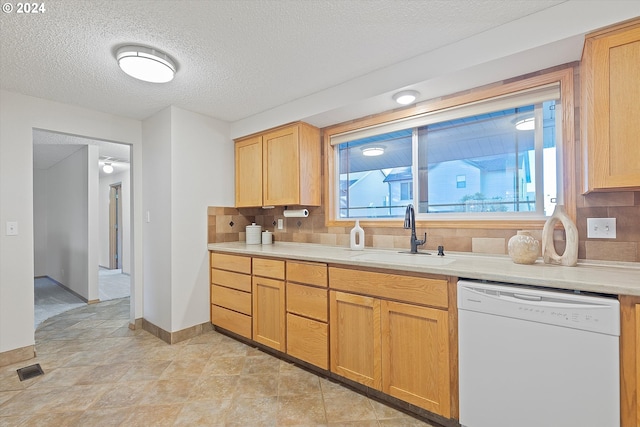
[[410, 223]]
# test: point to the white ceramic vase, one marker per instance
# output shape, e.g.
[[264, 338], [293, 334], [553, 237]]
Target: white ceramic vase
[[549, 255], [524, 248]]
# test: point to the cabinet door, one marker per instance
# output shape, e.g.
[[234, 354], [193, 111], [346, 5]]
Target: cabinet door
[[249, 172], [308, 340], [281, 167], [269, 312], [613, 127], [415, 355], [355, 338]]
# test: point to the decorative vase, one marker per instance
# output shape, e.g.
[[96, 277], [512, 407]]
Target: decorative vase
[[549, 255], [356, 237], [524, 248]]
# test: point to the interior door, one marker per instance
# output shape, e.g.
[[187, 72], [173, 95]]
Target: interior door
[[115, 230]]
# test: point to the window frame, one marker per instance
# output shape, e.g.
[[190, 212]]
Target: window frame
[[564, 77]]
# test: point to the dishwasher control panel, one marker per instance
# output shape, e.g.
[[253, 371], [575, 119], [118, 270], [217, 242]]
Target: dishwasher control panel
[[586, 312]]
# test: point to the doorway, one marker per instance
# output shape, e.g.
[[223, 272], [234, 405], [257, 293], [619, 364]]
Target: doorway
[[115, 227]]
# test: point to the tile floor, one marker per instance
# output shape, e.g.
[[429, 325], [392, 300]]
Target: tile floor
[[98, 372], [52, 299]]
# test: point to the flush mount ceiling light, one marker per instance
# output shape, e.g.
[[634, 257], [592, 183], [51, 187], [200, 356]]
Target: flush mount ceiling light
[[526, 124], [147, 64], [406, 97], [373, 151], [107, 168]]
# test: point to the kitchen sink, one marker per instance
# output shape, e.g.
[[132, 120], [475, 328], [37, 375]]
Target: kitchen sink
[[406, 258]]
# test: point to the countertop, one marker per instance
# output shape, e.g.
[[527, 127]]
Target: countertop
[[603, 277]]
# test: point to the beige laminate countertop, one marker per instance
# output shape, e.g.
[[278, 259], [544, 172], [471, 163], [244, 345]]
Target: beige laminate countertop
[[603, 277]]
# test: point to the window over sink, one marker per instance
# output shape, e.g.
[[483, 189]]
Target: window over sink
[[496, 157]]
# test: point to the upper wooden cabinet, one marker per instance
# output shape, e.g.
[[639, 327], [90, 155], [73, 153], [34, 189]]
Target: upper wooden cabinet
[[610, 109], [279, 167]]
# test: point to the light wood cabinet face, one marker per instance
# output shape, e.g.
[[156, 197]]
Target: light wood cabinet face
[[281, 170], [309, 273], [237, 263], [231, 320], [269, 312], [308, 340], [279, 167], [415, 355], [307, 301], [248, 162], [611, 89], [272, 268], [637, 385], [231, 299], [355, 338]]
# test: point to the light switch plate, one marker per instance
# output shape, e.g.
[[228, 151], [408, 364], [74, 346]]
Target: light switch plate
[[601, 228], [280, 223]]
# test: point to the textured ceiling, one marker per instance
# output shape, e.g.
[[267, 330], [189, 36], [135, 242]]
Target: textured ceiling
[[261, 63], [236, 58]]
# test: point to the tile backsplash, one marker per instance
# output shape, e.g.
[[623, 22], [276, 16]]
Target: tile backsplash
[[228, 224]]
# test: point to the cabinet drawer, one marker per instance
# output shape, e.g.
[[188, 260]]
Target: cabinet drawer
[[231, 299], [231, 321], [308, 273], [308, 340], [307, 301], [415, 290], [240, 264], [268, 268], [230, 279]]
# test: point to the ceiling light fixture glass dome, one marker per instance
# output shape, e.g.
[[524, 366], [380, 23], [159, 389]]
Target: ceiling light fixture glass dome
[[107, 168], [147, 64], [378, 150], [526, 124], [406, 97]]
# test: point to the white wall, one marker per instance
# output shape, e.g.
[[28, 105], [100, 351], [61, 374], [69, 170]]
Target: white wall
[[103, 218], [19, 115], [67, 222], [188, 163], [156, 185], [202, 175], [40, 222]]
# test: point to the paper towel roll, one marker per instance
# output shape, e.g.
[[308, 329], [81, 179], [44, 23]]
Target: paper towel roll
[[296, 213]]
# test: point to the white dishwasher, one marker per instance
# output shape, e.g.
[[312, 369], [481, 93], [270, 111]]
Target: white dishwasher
[[532, 357]]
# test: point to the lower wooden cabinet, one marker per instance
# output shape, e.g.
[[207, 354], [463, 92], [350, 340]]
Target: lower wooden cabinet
[[355, 338], [269, 312], [415, 355], [629, 361], [231, 293], [308, 340]]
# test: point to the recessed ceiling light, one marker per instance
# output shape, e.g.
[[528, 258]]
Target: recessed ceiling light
[[147, 64], [373, 151], [526, 124], [406, 97]]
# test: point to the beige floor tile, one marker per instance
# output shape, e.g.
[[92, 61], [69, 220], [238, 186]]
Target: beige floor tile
[[184, 368], [6, 395], [167, 392], [255, 412], [214, 387], [301, 410], [155, 415], [77, 397], [206, 413], [122, 395], [348, 406], [261, 364], [58, 419], [146, 371], [61, 377], [110, 417], [251, 386], [224, 366], [298, 382]]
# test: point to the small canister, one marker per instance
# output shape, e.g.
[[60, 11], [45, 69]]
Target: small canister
[[267, 237]]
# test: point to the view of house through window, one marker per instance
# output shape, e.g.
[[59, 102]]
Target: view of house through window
[[500, 162]]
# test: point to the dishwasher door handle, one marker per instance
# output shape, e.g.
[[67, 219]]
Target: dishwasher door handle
[[527, 297]]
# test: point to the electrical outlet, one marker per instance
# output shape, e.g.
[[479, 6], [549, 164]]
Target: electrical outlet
[[601, 228], [12, 228]]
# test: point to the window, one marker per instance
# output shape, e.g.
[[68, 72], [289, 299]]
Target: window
[[491, 159]]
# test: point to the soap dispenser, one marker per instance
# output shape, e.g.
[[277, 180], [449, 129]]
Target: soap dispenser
[[357, 237]]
